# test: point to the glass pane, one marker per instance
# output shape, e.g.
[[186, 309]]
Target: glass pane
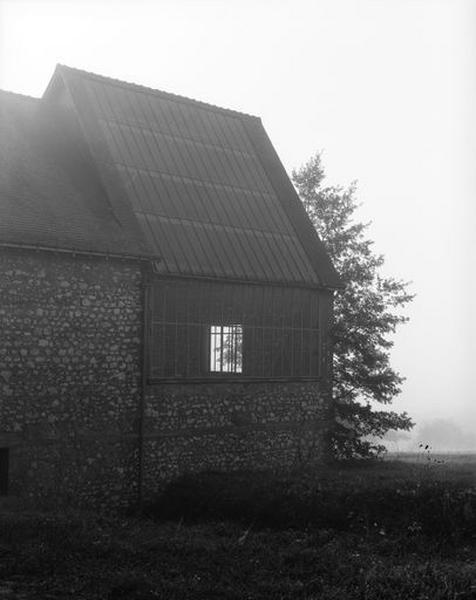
[[226, 348]]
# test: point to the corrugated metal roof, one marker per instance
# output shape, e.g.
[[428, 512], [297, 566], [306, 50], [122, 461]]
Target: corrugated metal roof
[[202, 194]]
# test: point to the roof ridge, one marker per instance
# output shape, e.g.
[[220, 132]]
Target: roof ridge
[[154, 91], [18, 95]]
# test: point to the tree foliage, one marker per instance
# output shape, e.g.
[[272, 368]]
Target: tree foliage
[[367, 312]]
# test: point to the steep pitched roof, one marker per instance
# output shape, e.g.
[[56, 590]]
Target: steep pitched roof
[[200, 184], [105, 166], [50, 195]]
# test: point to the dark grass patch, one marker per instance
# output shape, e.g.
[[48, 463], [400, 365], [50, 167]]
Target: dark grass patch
[[329, 554], [140, 559], [384, 497]]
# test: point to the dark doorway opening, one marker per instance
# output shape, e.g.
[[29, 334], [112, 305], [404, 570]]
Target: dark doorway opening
[[4, 463]]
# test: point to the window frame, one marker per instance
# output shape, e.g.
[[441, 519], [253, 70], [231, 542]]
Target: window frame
[[239, 334]]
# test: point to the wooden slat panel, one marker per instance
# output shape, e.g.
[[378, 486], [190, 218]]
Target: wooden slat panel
[[279, 339]]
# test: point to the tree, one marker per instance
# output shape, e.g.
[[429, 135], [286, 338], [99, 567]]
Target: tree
[[367, 312]]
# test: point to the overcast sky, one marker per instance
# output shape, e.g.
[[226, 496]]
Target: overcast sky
[[386, 88]]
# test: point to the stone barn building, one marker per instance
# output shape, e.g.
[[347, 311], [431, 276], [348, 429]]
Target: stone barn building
[[164, 300]]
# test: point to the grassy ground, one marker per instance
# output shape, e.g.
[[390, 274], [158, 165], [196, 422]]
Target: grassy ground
[[393, 530]]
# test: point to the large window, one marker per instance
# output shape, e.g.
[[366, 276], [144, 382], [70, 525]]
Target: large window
[[202, 330]]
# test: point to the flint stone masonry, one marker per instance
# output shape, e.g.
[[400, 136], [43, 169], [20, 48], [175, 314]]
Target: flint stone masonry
[[70, 374], [226, 426], [172, 407], [71, 383]]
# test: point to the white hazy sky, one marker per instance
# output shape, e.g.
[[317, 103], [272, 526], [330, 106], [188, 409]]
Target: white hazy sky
[[386, 88]]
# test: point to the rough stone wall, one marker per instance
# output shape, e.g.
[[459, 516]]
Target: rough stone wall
[[223, 426], [70, 375], [70, 392]]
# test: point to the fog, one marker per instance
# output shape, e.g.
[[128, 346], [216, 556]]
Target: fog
[[436, 435], [386, 89]]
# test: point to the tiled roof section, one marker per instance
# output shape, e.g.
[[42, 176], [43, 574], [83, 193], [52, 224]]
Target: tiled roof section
[[50, 195], [197, 181]]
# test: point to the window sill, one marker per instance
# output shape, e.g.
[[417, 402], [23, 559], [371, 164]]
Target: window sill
[[231, 379]]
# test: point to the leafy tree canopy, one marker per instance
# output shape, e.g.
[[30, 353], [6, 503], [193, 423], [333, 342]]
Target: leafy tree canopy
[[367, 312]]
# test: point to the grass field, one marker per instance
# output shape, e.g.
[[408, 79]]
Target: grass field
[[396, 530], [458, 459]]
